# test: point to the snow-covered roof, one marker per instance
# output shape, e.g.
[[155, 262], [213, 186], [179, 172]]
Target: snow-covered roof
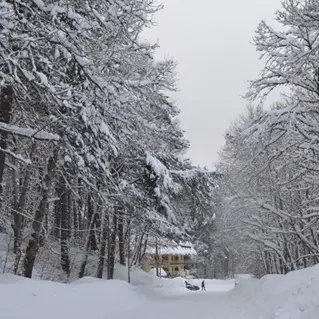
[[183, 248]]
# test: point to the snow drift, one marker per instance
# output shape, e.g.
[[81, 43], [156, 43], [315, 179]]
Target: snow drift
[[83, 299], [293, 296]]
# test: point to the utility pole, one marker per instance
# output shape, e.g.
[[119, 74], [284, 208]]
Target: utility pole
[[108, 249], [156, 257], [128, 255], [160, 260]]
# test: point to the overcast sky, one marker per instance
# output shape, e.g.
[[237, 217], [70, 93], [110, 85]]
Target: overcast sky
[[211, 41]]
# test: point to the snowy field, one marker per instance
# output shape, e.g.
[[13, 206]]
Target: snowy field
[[294, 296]]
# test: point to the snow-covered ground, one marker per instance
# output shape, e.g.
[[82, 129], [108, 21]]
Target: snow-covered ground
[[294, 296]]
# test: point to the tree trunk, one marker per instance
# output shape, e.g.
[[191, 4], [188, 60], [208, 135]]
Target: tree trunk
[[33, 245], [112, 246], [121, 239], [16, 226], [139, 249], [65, 213], [108, 248], [80, 208], [92, 217], [137, 256], [6, 101], [75, 220], [144, 249], [57, 217], [88, 244], [19, 210], [85, 259], [69, 220], [80, 214], [100, 266]]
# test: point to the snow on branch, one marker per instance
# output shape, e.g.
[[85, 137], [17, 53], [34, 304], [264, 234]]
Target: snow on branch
[[16, 156], [162, 172], [160, 223], [29, 132]]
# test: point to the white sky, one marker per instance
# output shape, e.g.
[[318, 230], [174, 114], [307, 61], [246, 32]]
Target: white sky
[[211, 41]]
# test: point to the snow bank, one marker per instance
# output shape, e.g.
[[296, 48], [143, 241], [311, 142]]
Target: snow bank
[[162, 272], [166, 286], [142, 279], [244, 276], [291, 296], [83, 299]]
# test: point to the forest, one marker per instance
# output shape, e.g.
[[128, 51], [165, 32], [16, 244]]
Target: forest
[[92, 156], [270, 157], [93, 159]]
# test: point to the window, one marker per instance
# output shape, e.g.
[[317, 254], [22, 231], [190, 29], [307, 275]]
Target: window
[[176, 269], [176, 258], [165, 257]]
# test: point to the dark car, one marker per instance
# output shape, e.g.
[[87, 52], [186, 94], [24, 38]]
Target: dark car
[[191, 287]]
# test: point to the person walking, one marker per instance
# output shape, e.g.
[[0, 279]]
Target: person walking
[[203, 286]]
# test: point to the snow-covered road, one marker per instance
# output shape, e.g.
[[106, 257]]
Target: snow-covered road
[[201, 305], [294, 296], [99, 299], [208, 305]]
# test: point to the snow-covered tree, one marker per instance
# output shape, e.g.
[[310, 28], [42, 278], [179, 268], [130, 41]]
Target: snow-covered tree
[[91, 150]]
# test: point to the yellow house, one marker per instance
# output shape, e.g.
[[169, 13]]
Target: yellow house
[[175, 260]]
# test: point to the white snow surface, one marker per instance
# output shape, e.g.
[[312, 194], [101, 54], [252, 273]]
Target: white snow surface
[[29, 132], [170, 248], [293, 296], [162, 272]]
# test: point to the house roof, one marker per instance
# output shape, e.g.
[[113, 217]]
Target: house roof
[[183, 248]]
